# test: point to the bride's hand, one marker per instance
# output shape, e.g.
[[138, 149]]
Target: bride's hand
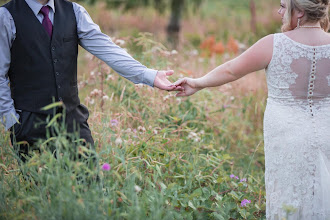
[[188, 86]]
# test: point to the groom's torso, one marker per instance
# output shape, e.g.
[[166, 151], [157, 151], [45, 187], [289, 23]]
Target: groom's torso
[[43, 69]]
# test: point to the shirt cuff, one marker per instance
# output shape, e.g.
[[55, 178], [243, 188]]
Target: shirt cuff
[[9, 119], [149, 77]]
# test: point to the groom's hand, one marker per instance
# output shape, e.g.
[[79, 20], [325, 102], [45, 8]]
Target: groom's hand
[[161, 81]]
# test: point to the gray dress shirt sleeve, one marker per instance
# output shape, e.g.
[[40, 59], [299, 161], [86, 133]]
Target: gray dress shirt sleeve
[[90, 37], [8, 115], [93, 40]]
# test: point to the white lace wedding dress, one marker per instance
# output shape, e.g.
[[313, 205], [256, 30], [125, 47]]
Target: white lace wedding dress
[[297, 131]]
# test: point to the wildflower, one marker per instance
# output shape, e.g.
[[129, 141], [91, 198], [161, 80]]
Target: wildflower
[[244, 202], [118, 141], [105, 97], [232, 45], [109, 77], [96, 92], [141, 129], [218, 48], [192, 135], [233, 176], [106, 167], [243, 180], [114, 122], [120, 42], [137, 188], [174, 52]]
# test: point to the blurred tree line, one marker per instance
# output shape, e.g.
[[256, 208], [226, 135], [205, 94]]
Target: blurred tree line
[[176, 7]]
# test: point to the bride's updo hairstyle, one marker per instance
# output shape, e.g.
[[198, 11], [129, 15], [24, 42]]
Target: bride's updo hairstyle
[[315, 10]]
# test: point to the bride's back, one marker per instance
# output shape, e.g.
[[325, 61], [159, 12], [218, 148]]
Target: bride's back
[[300, 67]]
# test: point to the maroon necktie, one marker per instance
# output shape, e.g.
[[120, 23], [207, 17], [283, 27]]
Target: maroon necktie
[[46, 22]]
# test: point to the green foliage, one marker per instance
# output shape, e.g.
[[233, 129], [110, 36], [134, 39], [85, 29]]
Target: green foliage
[[147, 181], [170, 158]]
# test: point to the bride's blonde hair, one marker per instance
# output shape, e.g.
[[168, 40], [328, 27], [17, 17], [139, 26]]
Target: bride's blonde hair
[[315, 10]]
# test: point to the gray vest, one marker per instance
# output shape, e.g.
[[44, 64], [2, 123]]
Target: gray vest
[[43, 70]]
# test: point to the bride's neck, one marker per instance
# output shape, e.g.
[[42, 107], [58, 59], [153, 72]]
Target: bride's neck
[[310, 24]]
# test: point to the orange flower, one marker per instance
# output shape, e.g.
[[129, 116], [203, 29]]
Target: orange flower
[[208, 43], [232, 45], [218, 48]]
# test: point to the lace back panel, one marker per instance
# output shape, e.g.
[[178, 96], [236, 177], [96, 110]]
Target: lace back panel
[[299, 73]]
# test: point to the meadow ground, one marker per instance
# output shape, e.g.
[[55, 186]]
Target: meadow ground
[[199, 157]]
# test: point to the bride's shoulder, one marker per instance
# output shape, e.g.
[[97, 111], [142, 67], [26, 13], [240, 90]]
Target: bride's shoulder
[[267, 40]]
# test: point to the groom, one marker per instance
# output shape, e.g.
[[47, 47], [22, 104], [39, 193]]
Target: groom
[[38, 56]]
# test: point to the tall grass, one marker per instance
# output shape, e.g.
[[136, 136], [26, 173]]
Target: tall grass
[[170, 158]]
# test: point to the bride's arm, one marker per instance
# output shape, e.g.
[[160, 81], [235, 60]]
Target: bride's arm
[[255, 58]]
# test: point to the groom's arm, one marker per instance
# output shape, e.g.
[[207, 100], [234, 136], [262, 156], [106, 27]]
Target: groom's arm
[[8, 115], [93, 40]]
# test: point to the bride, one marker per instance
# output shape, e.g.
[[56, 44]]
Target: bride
[[297, 116]]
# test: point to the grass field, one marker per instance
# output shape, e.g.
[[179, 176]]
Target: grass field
[[170, 158]]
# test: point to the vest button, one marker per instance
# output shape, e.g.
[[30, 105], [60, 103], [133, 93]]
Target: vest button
[[60, 98], [55, 60], [57, 73], [53, 48], [59, 86]]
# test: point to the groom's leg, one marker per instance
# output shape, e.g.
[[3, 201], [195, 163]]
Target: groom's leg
[[76, 120], [32, 127], [24, 135]]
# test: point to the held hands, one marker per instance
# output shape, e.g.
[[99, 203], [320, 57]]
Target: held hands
[[188, 86], [161, 81]]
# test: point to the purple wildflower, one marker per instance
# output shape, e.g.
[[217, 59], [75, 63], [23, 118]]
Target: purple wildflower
[[233, 176], [244, 202], [106, 167], [114, 122], [243, 180]]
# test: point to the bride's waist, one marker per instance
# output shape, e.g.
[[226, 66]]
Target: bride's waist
[[300, 102]]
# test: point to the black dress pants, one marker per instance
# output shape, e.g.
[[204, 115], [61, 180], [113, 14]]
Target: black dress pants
[[32, 127]]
